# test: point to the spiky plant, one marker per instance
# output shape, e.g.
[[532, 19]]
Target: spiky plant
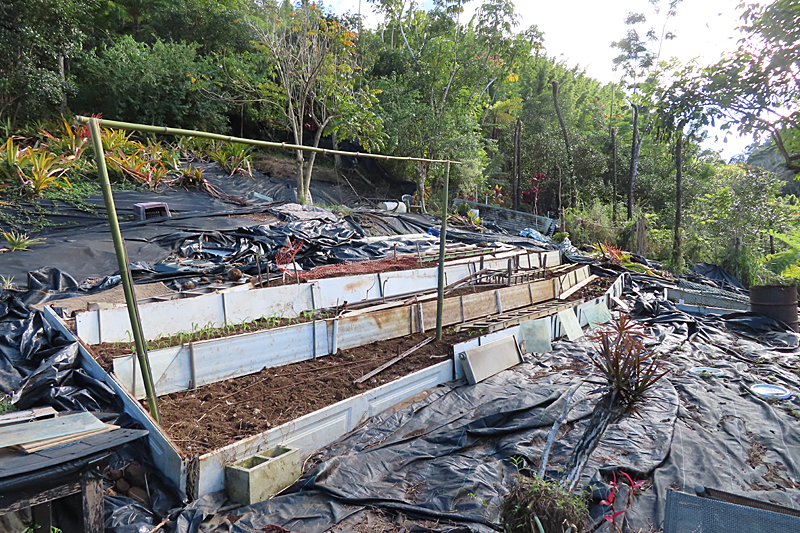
[[18, 242], [630, 369]]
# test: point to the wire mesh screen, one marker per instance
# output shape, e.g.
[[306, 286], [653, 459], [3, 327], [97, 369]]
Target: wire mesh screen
[[690, 514]]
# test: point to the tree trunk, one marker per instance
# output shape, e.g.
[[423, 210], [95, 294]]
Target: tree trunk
[[517, 164], [613, 176], [635, 146], [301, 197], [677, 252], [62, 73], [337, 159], [570, 175]]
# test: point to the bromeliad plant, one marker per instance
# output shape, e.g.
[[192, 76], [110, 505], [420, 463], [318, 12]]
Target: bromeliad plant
[[39, 169], [19, 242]]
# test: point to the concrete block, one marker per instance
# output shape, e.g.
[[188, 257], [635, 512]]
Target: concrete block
[[487, 360], [263, 475]]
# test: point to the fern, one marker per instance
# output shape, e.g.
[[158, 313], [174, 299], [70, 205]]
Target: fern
[[784, 261]]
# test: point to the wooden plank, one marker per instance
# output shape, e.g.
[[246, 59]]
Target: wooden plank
[[46, 429], [27, 415], [92, 489], [39, 445], [575, 288], [45, 496], [386, 365], [13, 463]]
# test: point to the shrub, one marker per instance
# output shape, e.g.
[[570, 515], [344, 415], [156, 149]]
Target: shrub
[[148, 83], [535, 505]]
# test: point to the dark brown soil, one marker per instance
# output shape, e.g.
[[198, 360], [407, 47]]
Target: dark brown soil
[[219, 414]]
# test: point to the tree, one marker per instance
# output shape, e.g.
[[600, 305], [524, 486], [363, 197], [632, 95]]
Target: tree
[[756, 89], [640, 65], [37, 38], [315, 62]]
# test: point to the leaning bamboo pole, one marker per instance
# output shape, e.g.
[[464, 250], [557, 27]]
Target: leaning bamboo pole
[[268, 144], [124, 270]]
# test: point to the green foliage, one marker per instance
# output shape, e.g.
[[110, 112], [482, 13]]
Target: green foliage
[[731, 221], [537, 505], [232, 157], [18, 242], [148, 83], [33, 36]]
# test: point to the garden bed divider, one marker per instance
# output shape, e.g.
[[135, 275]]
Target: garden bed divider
[[289, 301], [228, 357]]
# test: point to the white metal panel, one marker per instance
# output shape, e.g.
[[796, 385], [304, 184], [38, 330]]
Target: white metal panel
[[240, 304], [166, 456], [162, 318], [404, 281], [286, 301], [335, 291], [322, 427], [220, 359], [87, 326], [363, 329]]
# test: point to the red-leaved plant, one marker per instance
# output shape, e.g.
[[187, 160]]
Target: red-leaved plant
[[630, 368]]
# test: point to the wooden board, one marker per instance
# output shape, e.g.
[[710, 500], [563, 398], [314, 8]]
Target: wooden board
[[48, 429], [14, 462]]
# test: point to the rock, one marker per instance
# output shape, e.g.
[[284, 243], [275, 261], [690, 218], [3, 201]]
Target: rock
[[140, 495], [121, 485], [218, 279], [204, 280], [189, 285], [234, 274], [338, 396], [134, 474], [114, 475]]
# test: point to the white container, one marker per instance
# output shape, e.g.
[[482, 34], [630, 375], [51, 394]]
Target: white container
[[398, 207]]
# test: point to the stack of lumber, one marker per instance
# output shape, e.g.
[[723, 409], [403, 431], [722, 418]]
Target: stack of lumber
[[41, 428]]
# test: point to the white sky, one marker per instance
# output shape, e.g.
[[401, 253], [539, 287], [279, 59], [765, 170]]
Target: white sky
[[581, 32]]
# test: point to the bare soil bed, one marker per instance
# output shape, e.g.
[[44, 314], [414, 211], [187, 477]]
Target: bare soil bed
[[216, 415]]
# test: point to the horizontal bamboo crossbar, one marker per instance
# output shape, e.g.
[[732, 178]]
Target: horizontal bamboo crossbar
[[253, 142]]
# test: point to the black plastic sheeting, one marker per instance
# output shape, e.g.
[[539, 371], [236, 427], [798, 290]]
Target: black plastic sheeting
[[41, 367], [453, 455], [719, 277]]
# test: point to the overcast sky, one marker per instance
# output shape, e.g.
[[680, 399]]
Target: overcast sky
[[581, 32]]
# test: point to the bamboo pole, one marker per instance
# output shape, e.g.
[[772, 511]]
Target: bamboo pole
[[253, 142], [440, 299], [124, 270]]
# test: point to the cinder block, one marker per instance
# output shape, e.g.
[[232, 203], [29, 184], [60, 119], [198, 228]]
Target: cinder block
[[263, 475]]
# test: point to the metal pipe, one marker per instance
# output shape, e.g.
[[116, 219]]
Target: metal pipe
[[440, 299], [253, 142], [124, 271]]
